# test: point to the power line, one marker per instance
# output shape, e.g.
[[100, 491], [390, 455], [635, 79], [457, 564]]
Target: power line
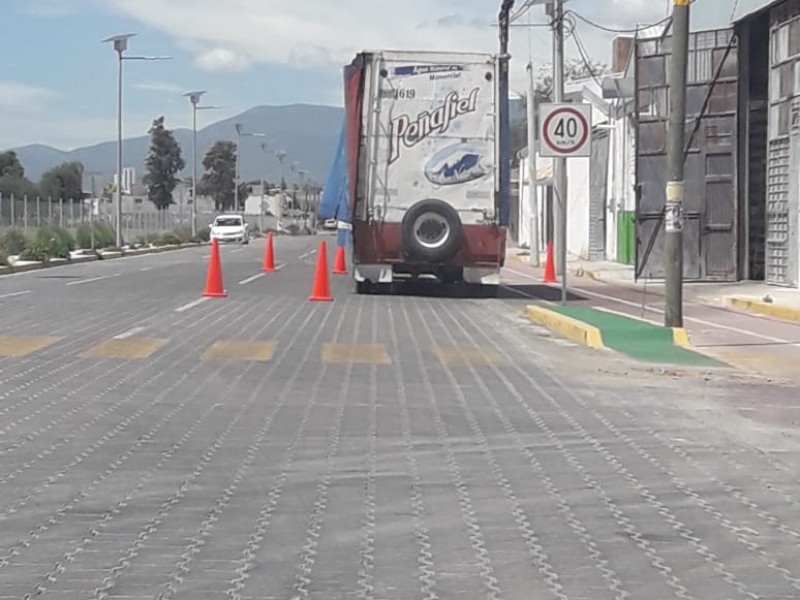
[[733, 9], [620, 30], [522, 9]]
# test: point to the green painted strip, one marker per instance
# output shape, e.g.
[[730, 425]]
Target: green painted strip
[[637, 339]]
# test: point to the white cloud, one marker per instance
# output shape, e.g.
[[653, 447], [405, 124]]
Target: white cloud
[[23, 97], [325, 34], [222, 59], [31, 115], [168, 88], [311, 33]]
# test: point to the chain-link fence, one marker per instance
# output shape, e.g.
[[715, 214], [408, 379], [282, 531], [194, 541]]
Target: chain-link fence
[[140, 225], [33, 213]]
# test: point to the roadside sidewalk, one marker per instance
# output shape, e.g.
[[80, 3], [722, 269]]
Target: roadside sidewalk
[[752, 342], [747, 297]]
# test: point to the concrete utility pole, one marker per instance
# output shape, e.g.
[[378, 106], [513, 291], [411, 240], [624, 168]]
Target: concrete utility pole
[[560, 163], [673, 239], [504, 169], [533, 239]]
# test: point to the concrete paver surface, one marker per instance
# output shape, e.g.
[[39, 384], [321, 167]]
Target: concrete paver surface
[[153, 445]]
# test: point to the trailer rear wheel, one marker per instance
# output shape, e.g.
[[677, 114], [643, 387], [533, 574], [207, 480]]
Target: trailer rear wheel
[[431, 231]]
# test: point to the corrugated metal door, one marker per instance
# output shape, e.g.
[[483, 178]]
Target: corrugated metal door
[[783, 155], [710, 216], [598, 194]]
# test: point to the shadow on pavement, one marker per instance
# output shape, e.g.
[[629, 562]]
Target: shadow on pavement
[[536, 292], [466, 291]]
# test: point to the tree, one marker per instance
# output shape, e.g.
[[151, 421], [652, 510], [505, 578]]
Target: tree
[[575, 69], [12, 177], [164, 162], [219, 179], [63, 182], [10, 166]]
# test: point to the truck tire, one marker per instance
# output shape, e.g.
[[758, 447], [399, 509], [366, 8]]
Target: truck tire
[[431, 231]]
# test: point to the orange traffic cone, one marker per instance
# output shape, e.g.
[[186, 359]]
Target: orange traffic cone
[[322, 288], [214, 287], [340, 268], [549, 267], [269, 256]]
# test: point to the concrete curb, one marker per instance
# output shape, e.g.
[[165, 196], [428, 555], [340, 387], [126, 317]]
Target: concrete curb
[[588, 335], [680, 336], [566, 327], [785, 313], [6, 270]]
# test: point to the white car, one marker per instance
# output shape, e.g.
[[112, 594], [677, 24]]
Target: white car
[[229, 228]]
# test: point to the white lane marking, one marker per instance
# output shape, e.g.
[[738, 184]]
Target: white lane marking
[[253, 278], [130, 333], [93, 279], [637, 305], [191, 304], [278, 267], [13, 294], [143, 269], [307, 254]]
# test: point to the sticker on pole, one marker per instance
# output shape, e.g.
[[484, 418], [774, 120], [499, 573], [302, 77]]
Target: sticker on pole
[[565, 129]]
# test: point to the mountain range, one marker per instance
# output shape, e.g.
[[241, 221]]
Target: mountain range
[[307, 133]]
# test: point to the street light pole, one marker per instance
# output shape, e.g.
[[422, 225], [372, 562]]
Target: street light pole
[[281, 156], [236, 185], [194, 98], [118, 208], [239, 134], [120, 46]]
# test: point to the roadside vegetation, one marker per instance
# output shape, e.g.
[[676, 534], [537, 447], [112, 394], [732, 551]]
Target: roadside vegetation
[[47, 243]]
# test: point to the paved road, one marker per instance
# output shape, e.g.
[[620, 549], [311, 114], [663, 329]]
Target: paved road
[[262, 446]]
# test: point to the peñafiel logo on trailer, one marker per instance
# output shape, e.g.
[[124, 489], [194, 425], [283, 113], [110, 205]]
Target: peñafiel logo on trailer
[[410, 133]]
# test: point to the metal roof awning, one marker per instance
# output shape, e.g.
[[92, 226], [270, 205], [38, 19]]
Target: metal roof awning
[[748, 8]]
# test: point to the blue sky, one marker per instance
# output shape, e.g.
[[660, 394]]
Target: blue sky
[[60, 86]]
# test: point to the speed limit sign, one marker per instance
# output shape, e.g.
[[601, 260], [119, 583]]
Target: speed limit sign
[[565, 129]]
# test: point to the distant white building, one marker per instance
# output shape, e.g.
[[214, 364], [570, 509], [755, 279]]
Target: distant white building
[[262, 202], [128, 180]]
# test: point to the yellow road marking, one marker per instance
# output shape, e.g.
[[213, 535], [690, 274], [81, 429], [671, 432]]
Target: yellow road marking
[[129, 348], [12, 347], [233, 350], [365, 354]]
